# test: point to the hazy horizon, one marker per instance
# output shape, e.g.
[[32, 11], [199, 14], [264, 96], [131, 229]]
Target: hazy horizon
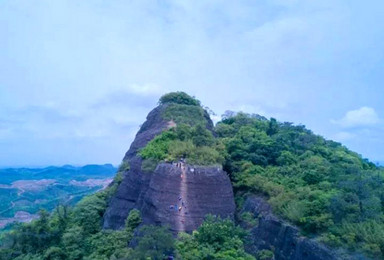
[[78, 78]]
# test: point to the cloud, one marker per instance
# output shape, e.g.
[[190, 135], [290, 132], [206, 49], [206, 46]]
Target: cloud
[[364, 116]]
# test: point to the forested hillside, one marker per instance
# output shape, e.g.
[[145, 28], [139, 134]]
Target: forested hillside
[[331, 193], [317, 184]]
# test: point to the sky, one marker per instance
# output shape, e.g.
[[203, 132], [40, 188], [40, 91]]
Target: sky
[[77, 78]]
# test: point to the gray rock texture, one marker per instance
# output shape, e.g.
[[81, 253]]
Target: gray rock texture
[[284, 239], [176, 195]]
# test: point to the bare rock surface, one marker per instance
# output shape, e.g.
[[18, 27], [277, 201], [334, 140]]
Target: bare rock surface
[[183, 196], [178, 195]]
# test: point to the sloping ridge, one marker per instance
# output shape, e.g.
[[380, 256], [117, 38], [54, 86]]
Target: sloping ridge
[[272, 232], [175, 194]]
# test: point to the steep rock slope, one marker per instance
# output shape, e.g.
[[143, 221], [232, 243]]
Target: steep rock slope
[[179, 195], [272, 232]]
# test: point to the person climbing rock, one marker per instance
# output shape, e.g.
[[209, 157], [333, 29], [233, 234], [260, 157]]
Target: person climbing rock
[[180, 209]]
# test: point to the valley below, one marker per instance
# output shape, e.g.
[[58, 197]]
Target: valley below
[[25, 191]]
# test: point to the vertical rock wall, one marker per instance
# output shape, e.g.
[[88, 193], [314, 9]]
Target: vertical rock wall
[[183, 198]]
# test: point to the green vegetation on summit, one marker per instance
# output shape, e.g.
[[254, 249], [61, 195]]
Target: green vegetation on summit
[[180, 98], [183, 109], [197, 145], [190, 139]]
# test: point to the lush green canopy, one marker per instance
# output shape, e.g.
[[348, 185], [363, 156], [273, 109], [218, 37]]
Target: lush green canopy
[[197, 145], [316, 184], [179, 97]]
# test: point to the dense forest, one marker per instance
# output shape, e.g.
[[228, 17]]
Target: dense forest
[[317, 184], [328, 191]]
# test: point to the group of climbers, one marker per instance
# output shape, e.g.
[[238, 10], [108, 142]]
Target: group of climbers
[[177, 207]]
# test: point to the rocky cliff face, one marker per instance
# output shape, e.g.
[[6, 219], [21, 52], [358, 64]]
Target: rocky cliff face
[[274, 234], [176, 194]]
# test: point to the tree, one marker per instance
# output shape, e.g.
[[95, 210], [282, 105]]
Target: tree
[[54, 253], [89, 212], [153, 242], [133, 220], [273, 127], [216, 238], [201, 136], [74, 243], [106, 243]]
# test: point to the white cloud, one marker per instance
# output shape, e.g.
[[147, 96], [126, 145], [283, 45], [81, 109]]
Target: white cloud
[[364, 116]]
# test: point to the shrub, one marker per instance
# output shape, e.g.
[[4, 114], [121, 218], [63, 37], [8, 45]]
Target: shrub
[[89, 213], [369, 235], [168, 146], [124, 166], [205, 156], [249, 219], [180, 149], [54, 253], [153, 242], [295, 210], [185, 114], [265, 255], [215, 239], [133, 220], [158, 147]]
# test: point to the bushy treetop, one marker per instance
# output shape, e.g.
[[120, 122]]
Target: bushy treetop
[[179, 97]]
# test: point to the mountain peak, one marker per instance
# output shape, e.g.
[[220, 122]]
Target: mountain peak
[[175, 175]]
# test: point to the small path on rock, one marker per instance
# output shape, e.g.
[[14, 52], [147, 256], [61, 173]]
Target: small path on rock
[[181, 215]]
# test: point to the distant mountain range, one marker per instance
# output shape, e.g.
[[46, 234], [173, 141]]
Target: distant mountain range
[[24, 191]]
